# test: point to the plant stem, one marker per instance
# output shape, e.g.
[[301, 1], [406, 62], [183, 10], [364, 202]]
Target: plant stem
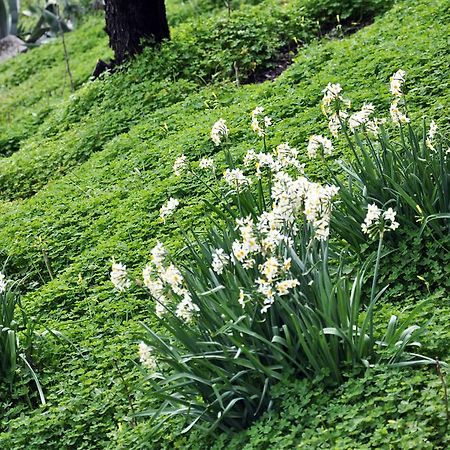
[[127, 393], [66, 55], [444, 385], [374, 282]]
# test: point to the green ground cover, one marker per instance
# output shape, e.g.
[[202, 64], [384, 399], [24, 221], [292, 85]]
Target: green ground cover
[[84, 176]]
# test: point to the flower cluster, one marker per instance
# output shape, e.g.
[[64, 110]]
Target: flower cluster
[[164, 280], [219, 131], [334, 107], [146, 357], [168, 209], [206, 163], [236, 179], [318, 142], [362, 117], [431, 135], [180, 165], [283, 156], [378, 221], [119, 277], [397, 81], [295, 200], [260, 128]]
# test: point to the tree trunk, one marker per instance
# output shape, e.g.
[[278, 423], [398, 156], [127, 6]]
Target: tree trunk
[[129, 23]]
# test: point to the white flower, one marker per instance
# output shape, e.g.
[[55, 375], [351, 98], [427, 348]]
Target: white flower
[[3, 282], [316, 142], [236, 178], [180, 165], [186, 308], [146, 357], [373, 223], [287, 156], [334, 124], [206, 163], [261, 160], [158, 255], [330, 93], [283, 287], [219, 260], [218, 131], [270, 268], [255, 124], [249, 157], [172, 276], [373, 126], [397, 80], [396, 115], [240, 251], [389, 215], [168, 209], [266, 290], [119, 277], [430, 135], [372, 217], [241, 298], [361, 117]]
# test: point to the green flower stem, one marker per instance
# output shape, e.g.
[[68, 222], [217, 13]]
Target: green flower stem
[[374, 281]]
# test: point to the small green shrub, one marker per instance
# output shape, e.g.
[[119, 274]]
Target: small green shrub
[[327, 11]]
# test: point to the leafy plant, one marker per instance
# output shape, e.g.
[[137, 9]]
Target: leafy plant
[[12, 352], [399, 167], [258, 299]]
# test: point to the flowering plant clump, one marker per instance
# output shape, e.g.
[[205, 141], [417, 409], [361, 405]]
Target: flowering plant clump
[[406, 170], [258, 298]]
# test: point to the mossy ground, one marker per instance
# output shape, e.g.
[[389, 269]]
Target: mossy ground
[[83, 177]]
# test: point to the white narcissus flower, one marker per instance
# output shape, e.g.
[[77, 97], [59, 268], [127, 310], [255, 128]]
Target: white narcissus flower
[[318, 142], [206, 163], [186, 308], [270, 268], [236, 178], [219, 260], [430, 135], [396, 115], [180, 165], [361, 117], [168, 209], [334, 123], [146, 357], [330, 93], [158, 255], [219, 130], [378, 221], [259, 129], [283, 287], [119, 277], [397, 80]]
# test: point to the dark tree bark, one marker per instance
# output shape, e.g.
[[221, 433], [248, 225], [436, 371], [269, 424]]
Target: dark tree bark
[[131, 24]]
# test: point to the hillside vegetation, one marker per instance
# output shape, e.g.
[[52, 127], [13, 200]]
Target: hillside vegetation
[[83, 176]]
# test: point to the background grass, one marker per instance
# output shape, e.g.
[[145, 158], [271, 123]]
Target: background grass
[[84, 176]]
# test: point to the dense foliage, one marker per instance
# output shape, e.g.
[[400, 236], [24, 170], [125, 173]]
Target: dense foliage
[[83, 179]]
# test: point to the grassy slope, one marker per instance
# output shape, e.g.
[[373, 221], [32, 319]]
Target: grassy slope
[[108, 151]]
